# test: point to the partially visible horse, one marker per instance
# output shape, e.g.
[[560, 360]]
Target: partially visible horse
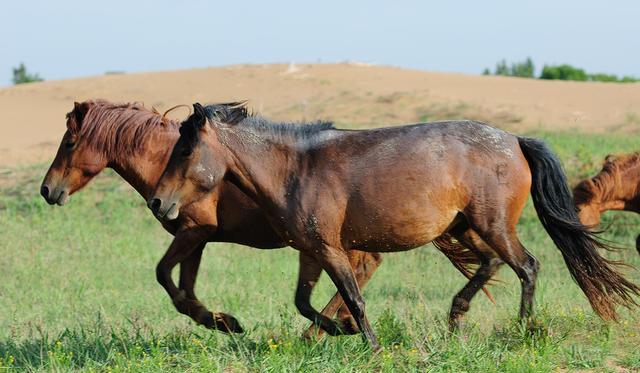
[[615, 187], [330, 191], [136, 142]]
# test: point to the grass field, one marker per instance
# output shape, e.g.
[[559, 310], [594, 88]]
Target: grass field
[[78, 292]]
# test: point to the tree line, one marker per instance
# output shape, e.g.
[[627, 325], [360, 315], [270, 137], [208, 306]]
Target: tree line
[[526, 69]]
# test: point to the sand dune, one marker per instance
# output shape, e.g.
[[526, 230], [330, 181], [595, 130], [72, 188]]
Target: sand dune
[[32, 116]]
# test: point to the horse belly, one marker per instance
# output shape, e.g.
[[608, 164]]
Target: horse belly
[[398, 226]]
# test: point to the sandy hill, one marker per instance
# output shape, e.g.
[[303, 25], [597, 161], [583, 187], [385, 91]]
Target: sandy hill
[[32, 116]]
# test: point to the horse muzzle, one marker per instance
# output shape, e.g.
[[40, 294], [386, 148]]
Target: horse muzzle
[[55, 196], [163, 210]]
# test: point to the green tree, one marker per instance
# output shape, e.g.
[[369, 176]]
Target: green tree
[[563, 72], [502, 68], [524, 69], [20, 75]]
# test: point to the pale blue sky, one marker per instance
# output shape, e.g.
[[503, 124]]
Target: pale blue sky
[[64, 39]]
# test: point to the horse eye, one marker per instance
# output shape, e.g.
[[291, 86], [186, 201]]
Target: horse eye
[[186, 152], [69, 145]]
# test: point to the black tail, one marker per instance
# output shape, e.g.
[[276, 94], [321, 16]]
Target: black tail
[[596, 276]]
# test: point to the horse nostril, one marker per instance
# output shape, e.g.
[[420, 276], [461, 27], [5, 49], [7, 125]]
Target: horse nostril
[[154, 204], [44, 191]]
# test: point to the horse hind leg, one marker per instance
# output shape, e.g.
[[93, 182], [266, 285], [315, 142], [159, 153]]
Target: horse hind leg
[[489, 264], [502, 238], [493, 214]]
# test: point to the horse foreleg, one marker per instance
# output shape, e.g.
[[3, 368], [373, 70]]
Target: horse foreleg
[[186, 249], [192, 307], [336, 263], [308, 276], [364, 265], [189, 271]]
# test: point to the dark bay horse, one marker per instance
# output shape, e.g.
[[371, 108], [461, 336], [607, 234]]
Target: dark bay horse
[[615, 187], [136, 142], [390, 189]]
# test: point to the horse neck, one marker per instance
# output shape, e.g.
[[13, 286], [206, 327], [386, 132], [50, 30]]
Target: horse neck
[[260, 168], [631, 183], [142, 169], [616, 187]]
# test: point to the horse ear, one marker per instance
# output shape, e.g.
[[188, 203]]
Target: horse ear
[[80, 108], [199, 115], [76, 116], [610, 158], [239, 104], [234, 112]]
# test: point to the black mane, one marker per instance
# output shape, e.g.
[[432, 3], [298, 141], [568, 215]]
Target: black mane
[[297, 130], [236, 114], [239, 115]]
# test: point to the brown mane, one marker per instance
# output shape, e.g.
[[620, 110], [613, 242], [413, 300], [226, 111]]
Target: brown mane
[[608, 181], [116, 129]]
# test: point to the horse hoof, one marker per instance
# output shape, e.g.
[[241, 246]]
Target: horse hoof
[[533, 326], [313, 334], [229, 322], [456, 323], [348, 326], [222, 322]]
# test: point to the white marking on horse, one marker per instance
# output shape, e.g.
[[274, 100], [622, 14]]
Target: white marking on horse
[[494, 139], [199, 168]]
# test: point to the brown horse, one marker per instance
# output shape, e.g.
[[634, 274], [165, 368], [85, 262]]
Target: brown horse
[[136, 142], [391, 189], [615, 187]]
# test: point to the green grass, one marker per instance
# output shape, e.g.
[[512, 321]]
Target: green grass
[[78, 292]]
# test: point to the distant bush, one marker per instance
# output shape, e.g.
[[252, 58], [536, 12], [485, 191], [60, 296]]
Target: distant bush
[[612, 78], [568, 72], [523, 69], [20, 75], [629, 79], [603, 77], [563, 72]]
